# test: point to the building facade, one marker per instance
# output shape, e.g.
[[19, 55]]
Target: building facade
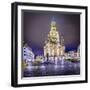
[[78, 52], [54, 45], [28, 55]]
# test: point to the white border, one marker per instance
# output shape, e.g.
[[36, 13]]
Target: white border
[[82, 48]]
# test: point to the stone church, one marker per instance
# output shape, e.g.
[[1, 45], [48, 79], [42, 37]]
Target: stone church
[[54, 45]]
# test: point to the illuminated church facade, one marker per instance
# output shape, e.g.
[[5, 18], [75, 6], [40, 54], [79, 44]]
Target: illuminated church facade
[[54, 45]]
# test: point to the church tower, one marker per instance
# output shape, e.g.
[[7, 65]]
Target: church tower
[[53, 35], [53, 45]]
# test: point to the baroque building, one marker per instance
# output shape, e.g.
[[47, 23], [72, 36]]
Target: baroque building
[[54, 45]]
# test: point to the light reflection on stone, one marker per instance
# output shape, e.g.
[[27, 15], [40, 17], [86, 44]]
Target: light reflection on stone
[[60, 67]]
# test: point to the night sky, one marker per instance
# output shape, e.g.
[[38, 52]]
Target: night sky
[[36, 26]]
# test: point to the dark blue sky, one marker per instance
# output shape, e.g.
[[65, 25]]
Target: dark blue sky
[[36, 26]]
